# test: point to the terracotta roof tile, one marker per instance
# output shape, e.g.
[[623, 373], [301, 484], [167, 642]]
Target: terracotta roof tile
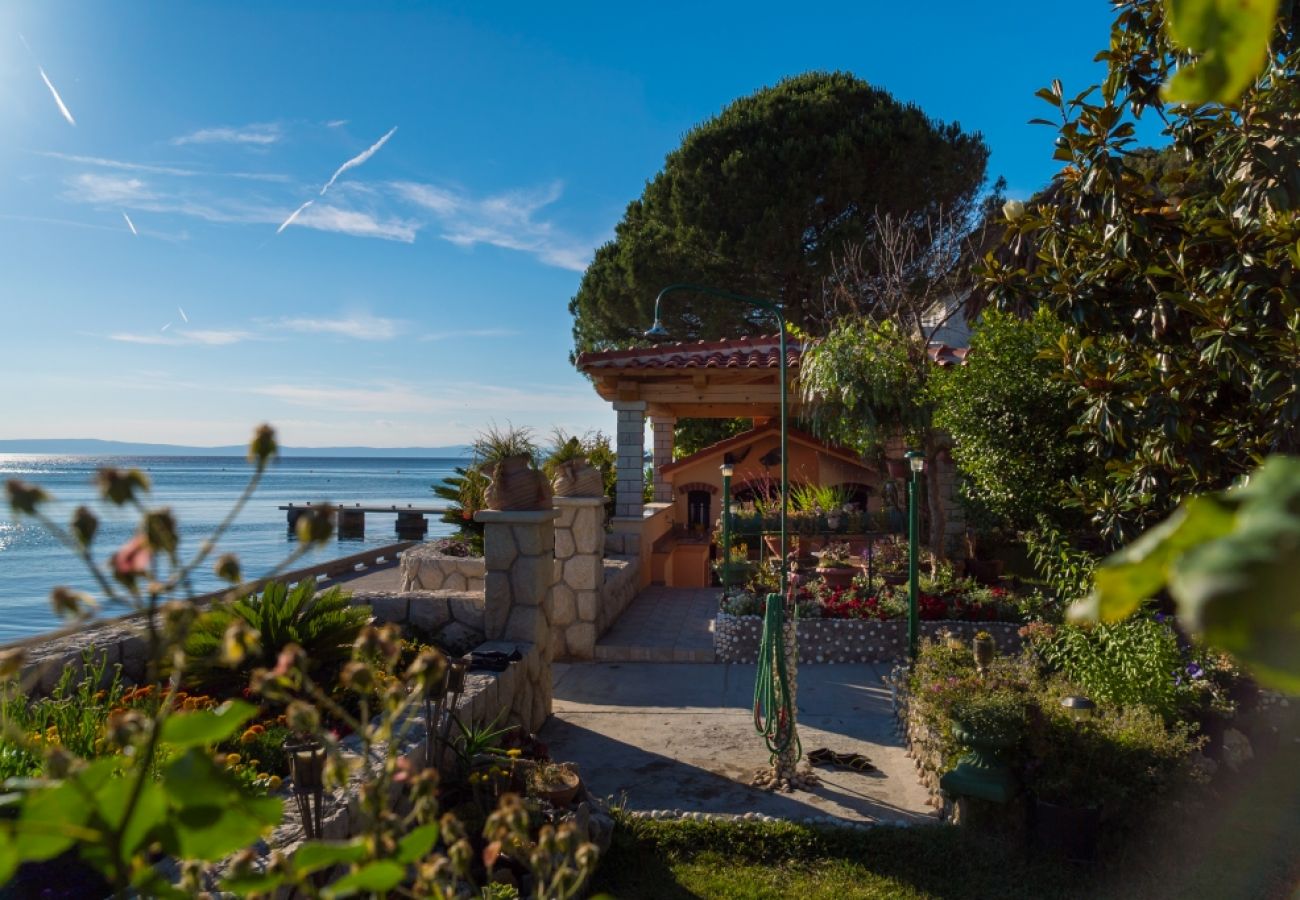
[[761, 352]]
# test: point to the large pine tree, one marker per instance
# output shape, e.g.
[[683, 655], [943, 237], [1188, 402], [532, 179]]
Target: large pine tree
[[763, 197]]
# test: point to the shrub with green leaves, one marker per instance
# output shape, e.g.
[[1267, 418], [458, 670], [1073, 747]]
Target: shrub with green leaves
[[324, 625], [1137, 662]]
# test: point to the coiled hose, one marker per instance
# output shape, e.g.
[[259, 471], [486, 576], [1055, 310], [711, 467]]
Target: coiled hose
[[773, 703]]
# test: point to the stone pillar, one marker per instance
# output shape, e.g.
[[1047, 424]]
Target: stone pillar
[[662, 429], [580, 572], [629, 499], [519, 559]]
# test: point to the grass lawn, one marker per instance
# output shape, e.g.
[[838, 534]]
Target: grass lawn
[[1243, 844]]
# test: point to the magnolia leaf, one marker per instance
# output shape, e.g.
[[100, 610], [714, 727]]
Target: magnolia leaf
[[204, 727], [253, 883], [1134, 574], [315, 855], [1230, 39], [417, 844], [212, 832], [375, 877], [149, 813]]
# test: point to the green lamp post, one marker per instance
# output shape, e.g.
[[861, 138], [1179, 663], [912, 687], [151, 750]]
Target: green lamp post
[[727, 471], [916, 460], [657, 331]]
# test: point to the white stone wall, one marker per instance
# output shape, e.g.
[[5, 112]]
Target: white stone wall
[[629, 497], [425, 569], [579, 575], [661, 428]]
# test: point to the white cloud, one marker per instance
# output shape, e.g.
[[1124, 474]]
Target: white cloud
[[359, 159], [153, 169], [178, 338], [361, 327], [90, 187], [509, 220], [260, 134], [63, 109], [356, 223], [469, 333]]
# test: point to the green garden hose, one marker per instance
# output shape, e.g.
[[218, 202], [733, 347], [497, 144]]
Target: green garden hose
[[773, 703]]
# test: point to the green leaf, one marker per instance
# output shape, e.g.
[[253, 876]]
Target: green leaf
[[212, 832], [8, 855], [315, 855], [255, 883], [1132, 575], [149, 813], [382, 875], [417, 844], [1230, 38], [204, 727]]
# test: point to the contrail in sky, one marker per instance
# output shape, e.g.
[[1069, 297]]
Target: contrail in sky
[[183, 316], [165, 327], [63, 107], [289, 221], [130, 224], [355, 161], [57, 99]]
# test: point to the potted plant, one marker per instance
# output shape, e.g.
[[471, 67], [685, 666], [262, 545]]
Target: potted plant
[[556, 783], [834, 565], [985, 649], [988, 725], [736, 568]]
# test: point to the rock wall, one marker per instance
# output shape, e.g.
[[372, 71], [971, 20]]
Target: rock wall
[[736, 638], [425, 569], [455, 617]]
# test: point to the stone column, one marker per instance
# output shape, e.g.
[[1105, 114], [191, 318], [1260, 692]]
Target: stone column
[[580, 572], [519, 559], [662, 429], [629, 500]]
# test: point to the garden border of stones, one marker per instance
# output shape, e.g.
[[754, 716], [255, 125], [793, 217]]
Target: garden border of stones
[[736, 638]]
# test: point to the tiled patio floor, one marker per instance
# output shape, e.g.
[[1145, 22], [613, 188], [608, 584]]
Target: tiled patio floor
[[663, 624]]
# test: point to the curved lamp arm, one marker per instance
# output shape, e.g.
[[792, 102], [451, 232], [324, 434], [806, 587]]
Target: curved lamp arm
[[657, 331]]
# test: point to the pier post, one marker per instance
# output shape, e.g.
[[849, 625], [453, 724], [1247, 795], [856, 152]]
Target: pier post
[[412, 526], [352, 524]]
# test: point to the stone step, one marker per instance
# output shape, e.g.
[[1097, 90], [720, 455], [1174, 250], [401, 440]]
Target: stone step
[[632, 653]]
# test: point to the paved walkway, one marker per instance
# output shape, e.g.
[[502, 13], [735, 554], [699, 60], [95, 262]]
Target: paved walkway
[[386, 577], [663, 624], [681, 737]]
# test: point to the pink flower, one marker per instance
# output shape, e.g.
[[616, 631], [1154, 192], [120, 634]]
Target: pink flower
[[131, 559]]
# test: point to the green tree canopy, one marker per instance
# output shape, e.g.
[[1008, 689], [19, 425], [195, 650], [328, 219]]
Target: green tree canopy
[[1009, 415], [762, 198], [1177, 285]]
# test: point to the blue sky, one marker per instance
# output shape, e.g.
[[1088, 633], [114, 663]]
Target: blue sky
[[425, 293]]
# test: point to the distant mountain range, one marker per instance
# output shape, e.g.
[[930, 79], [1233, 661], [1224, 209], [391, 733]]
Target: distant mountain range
[[91, 447]]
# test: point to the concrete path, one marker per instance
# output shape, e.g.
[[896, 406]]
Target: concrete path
[[681, 737], [663, 624], [385, 577]]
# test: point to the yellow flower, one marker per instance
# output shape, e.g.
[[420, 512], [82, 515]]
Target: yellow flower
[[232, 759], [273, 783], [248, 737], [514, 753]]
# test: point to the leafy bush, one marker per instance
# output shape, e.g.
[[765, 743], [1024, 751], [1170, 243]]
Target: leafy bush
[[998, 714], [323, 625], [1135, 662]]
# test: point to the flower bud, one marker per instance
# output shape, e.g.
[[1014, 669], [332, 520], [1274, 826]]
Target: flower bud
[[263, 448], [358, 677], [302, 717], [11, 663], [316, 525], [131, 560], [1014, 210], [161, 532], [84, 525], [24, 497], [227, 568], [119, 487], [239, 640], [70, 604]]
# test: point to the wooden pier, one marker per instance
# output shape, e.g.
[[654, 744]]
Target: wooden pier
[[412, 524]]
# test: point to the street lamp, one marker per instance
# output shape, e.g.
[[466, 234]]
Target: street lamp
[[727, 470], [916, 459], [658, 332]]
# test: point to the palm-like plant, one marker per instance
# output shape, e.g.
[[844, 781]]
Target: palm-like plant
[[324, 625]]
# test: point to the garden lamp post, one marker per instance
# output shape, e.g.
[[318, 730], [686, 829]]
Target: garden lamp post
[[916, 459], [659, 332], [774, 686], [727, 470]]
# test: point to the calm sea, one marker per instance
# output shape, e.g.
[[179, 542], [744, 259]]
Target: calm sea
[[200, 491]]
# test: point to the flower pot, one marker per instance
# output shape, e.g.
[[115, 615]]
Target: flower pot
[[577, 478], [1069, 832], [985, 650], [560, 796], [837, 576], [516, 485], [734, 573]]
